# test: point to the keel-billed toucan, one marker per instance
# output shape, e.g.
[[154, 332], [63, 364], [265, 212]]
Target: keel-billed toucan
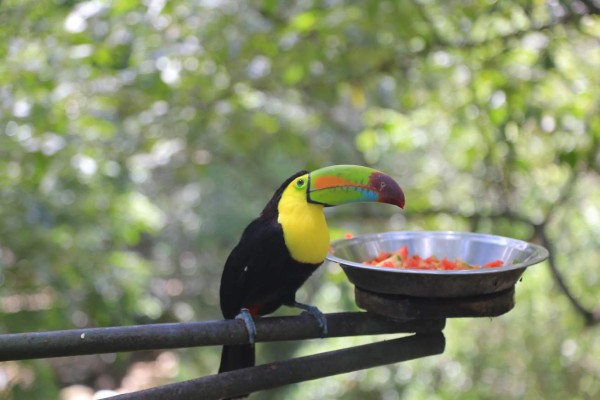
[[280, 249]]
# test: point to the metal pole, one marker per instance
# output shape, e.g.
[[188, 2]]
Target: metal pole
[[267, 376], [21, 346]]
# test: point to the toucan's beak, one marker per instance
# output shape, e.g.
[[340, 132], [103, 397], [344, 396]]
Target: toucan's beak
[[340, 184]]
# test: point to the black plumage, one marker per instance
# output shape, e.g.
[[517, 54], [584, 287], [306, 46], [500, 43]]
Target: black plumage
[[259, 275]]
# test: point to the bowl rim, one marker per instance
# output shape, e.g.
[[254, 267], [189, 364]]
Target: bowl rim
[[540, 253]]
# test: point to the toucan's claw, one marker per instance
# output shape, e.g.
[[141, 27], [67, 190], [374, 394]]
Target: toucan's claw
[[245, 316], [315, 312]]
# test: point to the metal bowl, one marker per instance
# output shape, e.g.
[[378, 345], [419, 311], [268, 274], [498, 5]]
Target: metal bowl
[[473, 248]]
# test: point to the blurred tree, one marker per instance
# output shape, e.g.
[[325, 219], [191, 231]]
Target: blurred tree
[[138, 139]]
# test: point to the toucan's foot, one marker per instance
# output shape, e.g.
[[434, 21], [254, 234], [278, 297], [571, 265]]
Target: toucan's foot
[[245, 316], [315, 312]]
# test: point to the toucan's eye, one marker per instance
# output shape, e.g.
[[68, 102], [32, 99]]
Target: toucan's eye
[[300, 183]]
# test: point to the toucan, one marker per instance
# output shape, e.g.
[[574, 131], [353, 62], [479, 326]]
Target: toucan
[[281, 248]]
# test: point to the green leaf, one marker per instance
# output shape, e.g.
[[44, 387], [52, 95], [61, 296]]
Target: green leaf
[[304, 21]]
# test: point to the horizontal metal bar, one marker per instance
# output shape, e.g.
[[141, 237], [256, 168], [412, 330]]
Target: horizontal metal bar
[[268, 376], [21, 346]]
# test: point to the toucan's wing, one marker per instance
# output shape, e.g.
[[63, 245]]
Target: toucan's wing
[[255, 260]]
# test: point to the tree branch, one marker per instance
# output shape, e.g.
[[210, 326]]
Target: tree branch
[[591, 318]]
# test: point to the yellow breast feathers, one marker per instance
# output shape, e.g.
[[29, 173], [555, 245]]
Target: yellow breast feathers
[[304, 227]]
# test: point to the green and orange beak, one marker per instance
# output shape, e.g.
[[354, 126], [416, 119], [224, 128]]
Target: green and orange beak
[[340, 184]]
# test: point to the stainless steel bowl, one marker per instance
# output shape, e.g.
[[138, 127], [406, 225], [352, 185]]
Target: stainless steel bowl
[[473, 248]]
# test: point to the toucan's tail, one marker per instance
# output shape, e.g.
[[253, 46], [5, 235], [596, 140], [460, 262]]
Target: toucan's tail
[[237, 356]]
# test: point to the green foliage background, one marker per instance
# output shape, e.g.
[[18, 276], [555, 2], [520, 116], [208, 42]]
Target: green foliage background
[[137, 139]]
